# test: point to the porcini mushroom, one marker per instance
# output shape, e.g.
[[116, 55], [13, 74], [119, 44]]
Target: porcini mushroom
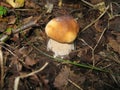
[[62, 32]]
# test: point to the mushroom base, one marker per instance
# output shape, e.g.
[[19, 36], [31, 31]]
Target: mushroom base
[[59, 49]]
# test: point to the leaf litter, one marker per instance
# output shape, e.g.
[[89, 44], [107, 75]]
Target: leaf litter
[[98, 44]]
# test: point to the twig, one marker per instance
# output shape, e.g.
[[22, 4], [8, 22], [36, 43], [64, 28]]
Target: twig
[[86, 43], [75, 84], [111, 10], [27, 75], [13, 53], [95, 20], [22, 28], [112, 15], [94, 48], [9, 51], [91, 5], [2, 69], [19, 9], [100, 38]]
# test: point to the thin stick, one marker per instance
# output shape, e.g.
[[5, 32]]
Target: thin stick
[[10, 51], [19, 58], [95, 20], [17, 79], [93, 50], [75, 84], [2, 68], [91, 5], [86, 43], [100, 38], [22, 28]]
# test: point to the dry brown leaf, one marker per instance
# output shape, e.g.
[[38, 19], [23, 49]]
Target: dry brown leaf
[[101, 24], [15, 37], [26, 20], [24, 51], [117, 35], [118, 39], [30, 61], [115, 24], [34, 79], [114, 44], [11, 20], [64, 76], [31, 4], [15, 65], [3, 24], [62, 79], [83, 51]]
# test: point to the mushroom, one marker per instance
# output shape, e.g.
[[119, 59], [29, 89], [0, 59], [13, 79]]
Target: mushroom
[[62, 32]]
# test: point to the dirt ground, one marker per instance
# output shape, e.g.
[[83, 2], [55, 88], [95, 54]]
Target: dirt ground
[[26, 64]]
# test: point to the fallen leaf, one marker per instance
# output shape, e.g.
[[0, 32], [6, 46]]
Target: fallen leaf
[[16, 3], [114, 24], [24, 51], [114, 44], [61, 79], [118, 39], [26, 20], [101, 24], [117, 35], [15, 65], [3, 24], [15, 37], [30, 61], [11, 19], [31, 4]]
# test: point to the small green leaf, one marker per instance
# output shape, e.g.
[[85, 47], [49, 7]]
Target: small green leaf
[[1, 7], [3, 11], [8, 31]]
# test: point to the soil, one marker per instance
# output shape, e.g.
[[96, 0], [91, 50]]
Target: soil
[[26, 64]]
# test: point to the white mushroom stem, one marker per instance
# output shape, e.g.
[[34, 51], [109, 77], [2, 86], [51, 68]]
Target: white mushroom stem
[[60, 49]]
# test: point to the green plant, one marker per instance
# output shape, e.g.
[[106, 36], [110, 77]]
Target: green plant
[[3, 11]]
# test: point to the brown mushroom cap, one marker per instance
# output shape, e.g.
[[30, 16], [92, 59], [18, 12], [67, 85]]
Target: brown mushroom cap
[[62, 29]]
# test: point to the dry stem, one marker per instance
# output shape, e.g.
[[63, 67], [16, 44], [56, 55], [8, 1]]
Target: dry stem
[[93, 48], [89, 25], [75, 84], [27, 75], [2, 68], [33, 22]]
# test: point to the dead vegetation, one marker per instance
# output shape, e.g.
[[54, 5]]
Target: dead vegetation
[[25, 63]]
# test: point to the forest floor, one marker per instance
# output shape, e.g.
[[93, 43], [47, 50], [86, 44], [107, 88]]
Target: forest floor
[[25, 63]]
